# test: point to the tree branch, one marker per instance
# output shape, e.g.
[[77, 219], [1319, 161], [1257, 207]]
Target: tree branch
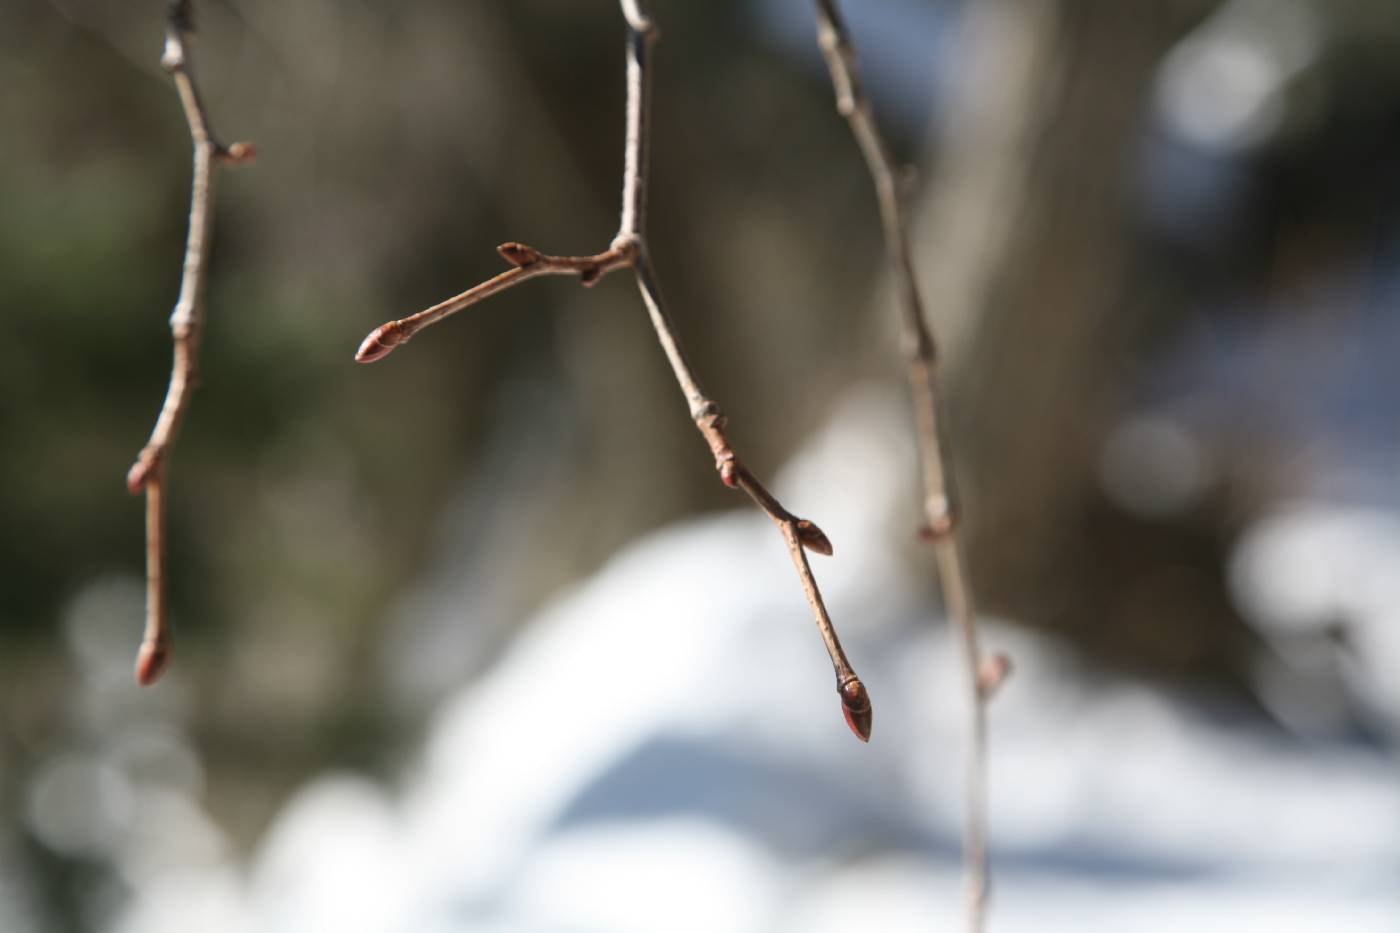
[[940, 503], [629, 250], [529, 263], [186, 326]]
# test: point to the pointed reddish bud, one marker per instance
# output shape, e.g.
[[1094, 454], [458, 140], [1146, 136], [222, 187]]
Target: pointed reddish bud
[[380, 343], [813, 538], [992, 673], [240, 154], [518, 254], [151, 661], [855, 704]]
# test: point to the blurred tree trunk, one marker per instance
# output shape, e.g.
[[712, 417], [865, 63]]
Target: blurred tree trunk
[[1030, 252]]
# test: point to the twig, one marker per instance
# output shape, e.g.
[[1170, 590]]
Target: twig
[[528, 262], [186, 325], [940, 503], [629, 250]]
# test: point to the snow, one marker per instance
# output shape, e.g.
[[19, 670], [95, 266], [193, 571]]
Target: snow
[[662, 749]]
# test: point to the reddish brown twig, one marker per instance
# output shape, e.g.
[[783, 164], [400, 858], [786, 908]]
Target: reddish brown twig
[[629, 250], [528, 263], [940, 505], [186, 324]]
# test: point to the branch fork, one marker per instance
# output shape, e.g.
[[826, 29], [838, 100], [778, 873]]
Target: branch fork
[[628, 250], [526, 263]]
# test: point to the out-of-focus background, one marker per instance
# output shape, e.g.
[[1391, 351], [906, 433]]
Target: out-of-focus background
[[472, 639]]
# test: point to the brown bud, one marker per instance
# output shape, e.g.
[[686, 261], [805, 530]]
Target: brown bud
[[855, 705], [728, 472], [380, 343], [813, 538], [518, 254], [136, 476], [240, 154], [151, 661]]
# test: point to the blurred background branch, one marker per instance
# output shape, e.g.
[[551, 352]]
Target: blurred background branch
[[940, 505]]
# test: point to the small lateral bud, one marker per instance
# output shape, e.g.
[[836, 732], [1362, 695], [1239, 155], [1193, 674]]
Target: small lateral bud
[[518, 254], [813, 538], [151, 661], [240, 154], [992, 673], [380, 343], [855, 705], [136, 476], [729, 472], [931, 534]]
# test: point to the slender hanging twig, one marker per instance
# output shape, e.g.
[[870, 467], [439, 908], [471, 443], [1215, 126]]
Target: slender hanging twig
[[940, 503], [186, 323], [629, 250]]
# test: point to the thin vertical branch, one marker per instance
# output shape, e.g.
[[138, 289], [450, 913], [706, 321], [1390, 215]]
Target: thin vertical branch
[[641, 33], [186, 327], [629, 249], [799, 533], [940, 503], [708, 418]]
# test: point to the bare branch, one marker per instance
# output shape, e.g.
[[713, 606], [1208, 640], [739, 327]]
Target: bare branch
[[855, 702], [528, 264], [642, 32], [799, 533], [940, 506], [629, 249], [186, 326], [709, 420]]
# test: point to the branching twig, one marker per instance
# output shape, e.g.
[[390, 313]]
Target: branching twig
[[629, 250], [940, 504], [528, 263], [186, 324]]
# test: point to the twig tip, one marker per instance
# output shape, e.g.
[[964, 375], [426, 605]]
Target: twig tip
[[855, 705], [151, 661], [380, 343]]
